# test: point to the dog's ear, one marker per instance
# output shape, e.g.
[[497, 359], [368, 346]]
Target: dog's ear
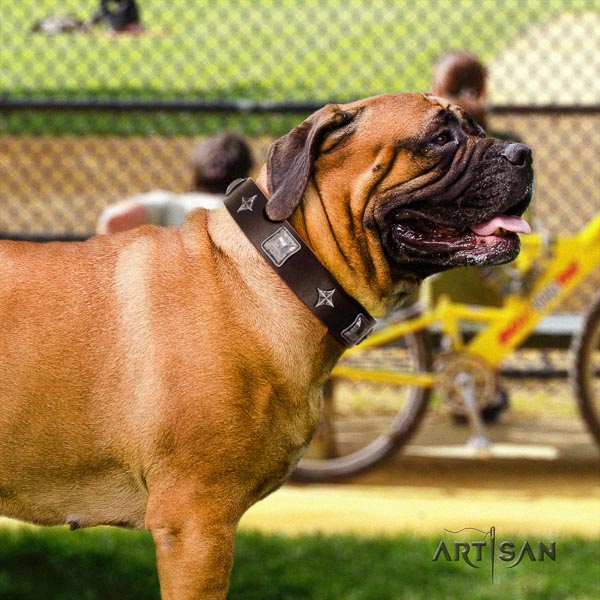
[[290, 159]]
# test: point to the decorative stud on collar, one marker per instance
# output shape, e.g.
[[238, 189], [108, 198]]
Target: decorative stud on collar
[[247, 204], [325, 297]]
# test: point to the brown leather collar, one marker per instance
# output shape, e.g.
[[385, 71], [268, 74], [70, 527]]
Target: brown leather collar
[[285, 251]]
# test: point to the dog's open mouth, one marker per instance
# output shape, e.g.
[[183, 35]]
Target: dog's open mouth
[[424, 246]]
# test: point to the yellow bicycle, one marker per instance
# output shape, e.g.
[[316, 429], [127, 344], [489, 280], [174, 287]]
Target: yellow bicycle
[[379, 392]]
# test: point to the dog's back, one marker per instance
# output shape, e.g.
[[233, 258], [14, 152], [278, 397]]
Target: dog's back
[[79, 371]]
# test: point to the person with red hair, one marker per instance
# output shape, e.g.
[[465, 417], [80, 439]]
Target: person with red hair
[[461, 77]]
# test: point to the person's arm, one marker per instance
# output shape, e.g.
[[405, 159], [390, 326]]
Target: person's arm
[[122, 216]]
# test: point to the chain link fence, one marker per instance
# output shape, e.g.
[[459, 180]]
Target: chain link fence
[[90, 115]]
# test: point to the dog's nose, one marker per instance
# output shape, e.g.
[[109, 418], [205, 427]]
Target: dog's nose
[[517, 154]]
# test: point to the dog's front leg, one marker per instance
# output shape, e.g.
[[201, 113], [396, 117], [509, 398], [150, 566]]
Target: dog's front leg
[[194, 549]]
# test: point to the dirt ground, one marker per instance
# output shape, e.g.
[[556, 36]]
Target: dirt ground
[[542, 477]]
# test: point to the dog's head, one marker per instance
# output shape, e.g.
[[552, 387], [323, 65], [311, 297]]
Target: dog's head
[[398, 187]]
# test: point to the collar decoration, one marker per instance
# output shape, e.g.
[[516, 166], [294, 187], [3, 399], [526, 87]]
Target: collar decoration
[[290, 257]]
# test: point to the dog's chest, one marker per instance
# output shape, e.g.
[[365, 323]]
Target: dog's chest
[[290, 439]]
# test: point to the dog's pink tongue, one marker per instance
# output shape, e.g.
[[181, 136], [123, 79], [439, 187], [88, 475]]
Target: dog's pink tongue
[[510, 223]]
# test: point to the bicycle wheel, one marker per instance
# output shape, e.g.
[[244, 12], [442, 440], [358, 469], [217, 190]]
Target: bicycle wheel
[[365, 421], [585, 371]]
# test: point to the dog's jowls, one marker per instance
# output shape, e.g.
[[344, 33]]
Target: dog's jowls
[[167, 379]]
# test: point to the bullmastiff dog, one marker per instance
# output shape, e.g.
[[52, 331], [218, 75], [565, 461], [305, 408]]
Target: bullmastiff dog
[[168, 379]]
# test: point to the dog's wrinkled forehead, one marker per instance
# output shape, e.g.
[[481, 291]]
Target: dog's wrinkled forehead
[[437, 100], [412, 116], [341, 139], [453, 113]]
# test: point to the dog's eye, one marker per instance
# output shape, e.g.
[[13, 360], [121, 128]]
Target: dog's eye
[[443, 138]]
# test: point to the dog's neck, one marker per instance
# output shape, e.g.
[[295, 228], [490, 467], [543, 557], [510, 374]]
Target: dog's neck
[[369, 282], [288, 254], [300, 340]]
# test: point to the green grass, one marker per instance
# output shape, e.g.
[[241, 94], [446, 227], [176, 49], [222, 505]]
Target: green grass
[[243, 50], [254, 50], [107, 563], [58, 564]]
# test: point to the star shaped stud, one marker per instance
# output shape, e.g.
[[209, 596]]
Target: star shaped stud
[[325, 298], [247, 204]]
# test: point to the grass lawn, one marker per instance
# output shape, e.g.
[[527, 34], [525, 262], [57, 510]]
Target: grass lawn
[[253, 51], [107, 563]]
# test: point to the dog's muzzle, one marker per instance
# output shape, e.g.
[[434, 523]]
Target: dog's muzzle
[[473, 221]]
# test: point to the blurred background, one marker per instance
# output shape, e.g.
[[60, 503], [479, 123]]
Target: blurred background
[[98, 106]]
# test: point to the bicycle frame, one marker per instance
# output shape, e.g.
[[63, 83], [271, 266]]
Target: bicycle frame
[[567, 261]]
